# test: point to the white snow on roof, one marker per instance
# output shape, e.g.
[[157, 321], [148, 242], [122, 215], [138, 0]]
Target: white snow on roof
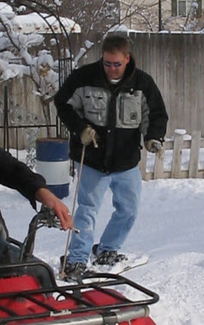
[[33, 23], [6, 10]]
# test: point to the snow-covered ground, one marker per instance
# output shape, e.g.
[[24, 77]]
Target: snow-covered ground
[[169, 228]]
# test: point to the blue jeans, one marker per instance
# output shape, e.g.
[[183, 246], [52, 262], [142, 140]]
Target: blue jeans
[[126, 189]]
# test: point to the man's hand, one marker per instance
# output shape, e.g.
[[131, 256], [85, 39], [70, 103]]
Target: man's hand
[[89, 135], [46, 197], [154, 146]]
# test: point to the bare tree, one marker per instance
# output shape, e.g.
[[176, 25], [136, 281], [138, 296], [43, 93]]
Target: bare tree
[[92, 15], [95, 15]]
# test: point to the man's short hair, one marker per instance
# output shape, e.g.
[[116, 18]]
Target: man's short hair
[[113, 43]]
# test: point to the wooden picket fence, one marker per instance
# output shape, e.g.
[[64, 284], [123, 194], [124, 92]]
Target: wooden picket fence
[[171, 164]]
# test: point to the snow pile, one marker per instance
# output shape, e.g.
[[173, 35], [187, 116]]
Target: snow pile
[[37, 23], [34, 23], [169, 228], [6, 10]]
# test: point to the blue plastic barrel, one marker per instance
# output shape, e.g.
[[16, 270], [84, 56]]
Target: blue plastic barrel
[[52, 162]]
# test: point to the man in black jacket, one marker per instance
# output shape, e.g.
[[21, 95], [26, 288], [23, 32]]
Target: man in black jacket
[[16, 175], [106, 106]]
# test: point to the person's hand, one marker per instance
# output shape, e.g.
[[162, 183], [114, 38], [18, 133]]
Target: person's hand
[[154, 146], [89, 135], [46, 197]]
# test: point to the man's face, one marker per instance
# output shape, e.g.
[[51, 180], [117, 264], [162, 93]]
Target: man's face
[[115, 63]]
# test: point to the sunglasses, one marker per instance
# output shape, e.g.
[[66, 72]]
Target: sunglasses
[[109, 64]]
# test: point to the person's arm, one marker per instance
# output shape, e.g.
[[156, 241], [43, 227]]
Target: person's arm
[[68, 103], [16, 175], [47, 198], [157, 117]]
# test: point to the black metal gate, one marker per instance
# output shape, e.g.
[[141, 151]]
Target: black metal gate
[[35, 125]]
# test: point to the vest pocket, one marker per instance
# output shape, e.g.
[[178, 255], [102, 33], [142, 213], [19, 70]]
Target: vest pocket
[[95, 106], [130, 109]]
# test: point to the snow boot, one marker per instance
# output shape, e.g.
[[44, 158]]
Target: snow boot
[[73, 270], [107, 257], [3, 229]]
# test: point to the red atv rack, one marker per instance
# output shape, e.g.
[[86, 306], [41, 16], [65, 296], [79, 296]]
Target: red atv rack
[[29, 294]]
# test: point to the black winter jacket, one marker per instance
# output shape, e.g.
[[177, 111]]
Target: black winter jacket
[[16, 175], [119, 114]]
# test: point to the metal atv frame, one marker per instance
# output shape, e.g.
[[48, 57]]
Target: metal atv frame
[[96, 300]]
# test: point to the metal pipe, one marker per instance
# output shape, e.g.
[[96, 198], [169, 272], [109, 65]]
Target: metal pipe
[[117, 316], [6, 131]]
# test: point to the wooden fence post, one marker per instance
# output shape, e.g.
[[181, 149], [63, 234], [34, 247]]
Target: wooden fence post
[[194, 154], [143, 163], [177, 155], [159, 165]]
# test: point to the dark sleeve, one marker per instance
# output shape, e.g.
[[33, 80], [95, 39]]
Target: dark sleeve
[[16, 175], [158, 117], [65, 111]]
